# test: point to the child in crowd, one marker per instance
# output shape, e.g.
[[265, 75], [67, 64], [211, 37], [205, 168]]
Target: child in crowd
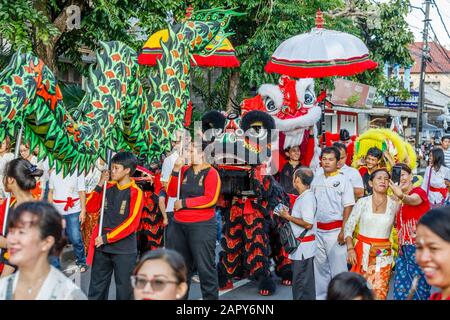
[[371, 163], [116, 248]]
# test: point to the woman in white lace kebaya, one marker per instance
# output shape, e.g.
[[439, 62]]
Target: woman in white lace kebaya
[[372, 254], [34, 232]]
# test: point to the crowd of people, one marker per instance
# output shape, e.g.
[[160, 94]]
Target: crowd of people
[[360, 233]]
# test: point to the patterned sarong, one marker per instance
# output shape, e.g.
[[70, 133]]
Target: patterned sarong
[[405, 271]]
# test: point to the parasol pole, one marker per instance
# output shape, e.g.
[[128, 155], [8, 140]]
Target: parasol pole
[[320, 22], [8, 198], [322, 117], [178, 183], [413, 289], [179, 173], [102, 211]]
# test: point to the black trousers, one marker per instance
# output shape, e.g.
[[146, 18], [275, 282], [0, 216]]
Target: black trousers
[[102, 268], [303, 285], [196, 242]]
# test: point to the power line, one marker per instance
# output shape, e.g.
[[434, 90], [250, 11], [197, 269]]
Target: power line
[[437, 66], [414, 7], [440, 44], [412, 15], [441, 49], [442, 19]]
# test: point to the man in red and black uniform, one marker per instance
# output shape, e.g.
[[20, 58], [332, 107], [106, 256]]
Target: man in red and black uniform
[[193, 232], [116, 245]]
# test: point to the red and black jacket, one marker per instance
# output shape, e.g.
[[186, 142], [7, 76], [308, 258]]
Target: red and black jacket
[[4, 257], [123, 207], [198, 192]]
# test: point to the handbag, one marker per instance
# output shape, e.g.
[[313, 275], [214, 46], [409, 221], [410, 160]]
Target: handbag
[[287, 238]]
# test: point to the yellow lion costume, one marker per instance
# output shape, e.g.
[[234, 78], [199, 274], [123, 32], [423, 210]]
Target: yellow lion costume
[[400, 150], [384, 139]]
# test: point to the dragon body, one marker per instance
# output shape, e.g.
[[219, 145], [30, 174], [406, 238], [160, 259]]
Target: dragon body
[[117, 112]]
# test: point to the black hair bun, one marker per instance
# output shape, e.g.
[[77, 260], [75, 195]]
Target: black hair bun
[[33, 171]]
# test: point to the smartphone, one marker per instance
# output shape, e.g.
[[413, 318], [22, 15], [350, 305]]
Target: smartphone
[[396, 173]]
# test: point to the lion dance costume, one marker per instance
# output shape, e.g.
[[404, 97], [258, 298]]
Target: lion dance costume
[[249, 195]]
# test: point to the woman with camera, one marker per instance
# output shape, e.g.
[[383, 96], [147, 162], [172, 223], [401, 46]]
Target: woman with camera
[[414, 204]]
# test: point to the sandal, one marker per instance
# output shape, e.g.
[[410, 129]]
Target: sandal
[[264, 292], [287, 282], [82, 268]]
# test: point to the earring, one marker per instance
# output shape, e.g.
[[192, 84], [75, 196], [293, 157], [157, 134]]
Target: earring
[[178, 296]]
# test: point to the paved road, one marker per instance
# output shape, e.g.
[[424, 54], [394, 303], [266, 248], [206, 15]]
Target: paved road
[[244, 289]]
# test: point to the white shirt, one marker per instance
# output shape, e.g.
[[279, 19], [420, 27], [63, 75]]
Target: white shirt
[[93, 177], [447, 157], [166, 171], [333, 194], [55, 287], [64, 188], [7, 157], [372, 225], [33, 160], [437, 181], [305, 209], [353, 175], [44, 166]]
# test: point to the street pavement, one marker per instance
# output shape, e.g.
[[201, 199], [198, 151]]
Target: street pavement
[[243, 289]]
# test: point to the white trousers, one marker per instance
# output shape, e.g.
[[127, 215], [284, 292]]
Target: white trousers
[[330, 260]]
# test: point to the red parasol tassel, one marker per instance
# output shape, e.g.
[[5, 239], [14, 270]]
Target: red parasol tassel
[[322, 96]]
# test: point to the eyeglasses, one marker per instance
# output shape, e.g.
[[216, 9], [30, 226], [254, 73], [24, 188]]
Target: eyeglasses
[[156, 284]]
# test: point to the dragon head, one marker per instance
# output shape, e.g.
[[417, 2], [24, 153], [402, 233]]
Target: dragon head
[[292, 104], [237, 139]]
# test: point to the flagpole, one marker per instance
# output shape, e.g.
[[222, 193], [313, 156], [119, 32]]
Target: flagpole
[[102, 211], [178, 186], [179, 173]]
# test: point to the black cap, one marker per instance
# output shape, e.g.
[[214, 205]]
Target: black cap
[[344, 135]]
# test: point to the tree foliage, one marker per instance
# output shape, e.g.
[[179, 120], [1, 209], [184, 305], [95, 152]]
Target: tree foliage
[[21, 22], [40, 25], [268, 23]]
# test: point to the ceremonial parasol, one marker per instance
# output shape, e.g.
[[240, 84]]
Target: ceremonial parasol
[[223, 57], [320, 53]]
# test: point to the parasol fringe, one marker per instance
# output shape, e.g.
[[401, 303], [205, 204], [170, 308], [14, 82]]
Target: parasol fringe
[[323, 71]]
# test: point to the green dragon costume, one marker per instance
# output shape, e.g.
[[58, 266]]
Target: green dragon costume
[[115, 113]]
